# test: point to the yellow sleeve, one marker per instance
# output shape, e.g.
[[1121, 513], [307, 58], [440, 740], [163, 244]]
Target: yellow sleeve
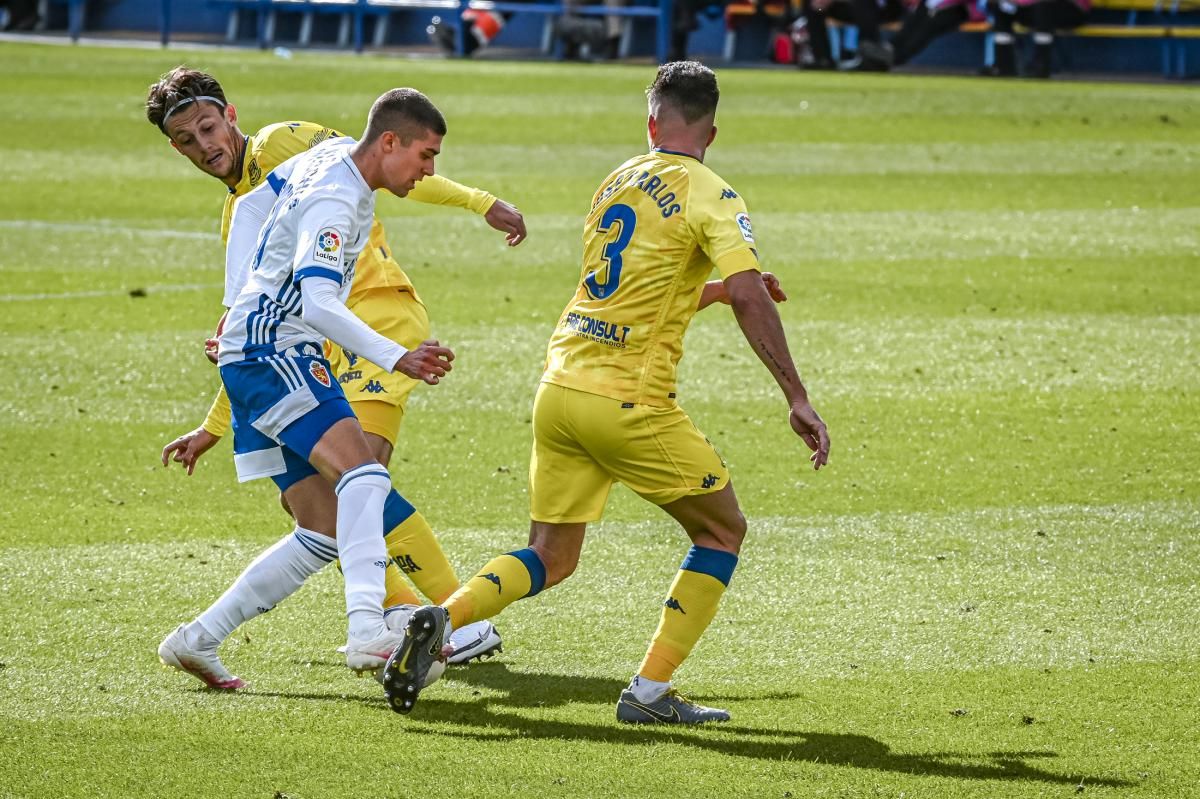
[[437, 190], [217, 421], [721, 225]]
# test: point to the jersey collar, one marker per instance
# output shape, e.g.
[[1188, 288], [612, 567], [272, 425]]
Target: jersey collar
[[241, 163], [673, 152]]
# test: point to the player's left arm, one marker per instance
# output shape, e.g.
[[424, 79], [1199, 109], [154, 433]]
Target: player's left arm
[[503, 216], [714, 291], [250, 215]]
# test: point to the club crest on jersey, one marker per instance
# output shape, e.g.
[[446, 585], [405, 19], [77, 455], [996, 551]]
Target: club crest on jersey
[[328, 247], [743, 223], [319, 373]]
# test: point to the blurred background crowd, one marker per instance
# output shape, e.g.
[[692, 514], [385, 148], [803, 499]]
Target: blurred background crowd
[[1004, 38]]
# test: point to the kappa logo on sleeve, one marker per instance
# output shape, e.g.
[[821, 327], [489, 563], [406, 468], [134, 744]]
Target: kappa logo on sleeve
[[743, 223], [328, 248]]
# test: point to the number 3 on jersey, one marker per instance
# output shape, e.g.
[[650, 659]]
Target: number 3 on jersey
[[627, 220]]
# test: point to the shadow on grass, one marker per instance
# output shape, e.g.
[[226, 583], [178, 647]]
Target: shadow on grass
[[486, 720]]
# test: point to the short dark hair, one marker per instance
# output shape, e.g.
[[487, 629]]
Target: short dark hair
[[178, 88], [687, 87], [405, 112]]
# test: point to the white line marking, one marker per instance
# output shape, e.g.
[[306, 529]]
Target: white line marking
[[104, 227], [80, 295]]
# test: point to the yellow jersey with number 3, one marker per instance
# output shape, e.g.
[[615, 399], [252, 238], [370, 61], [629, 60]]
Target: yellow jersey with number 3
[[659, 224]]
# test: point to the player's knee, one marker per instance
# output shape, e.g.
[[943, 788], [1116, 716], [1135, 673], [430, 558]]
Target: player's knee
[[726, 533], [559, 565], [738, 526], [561, 571]]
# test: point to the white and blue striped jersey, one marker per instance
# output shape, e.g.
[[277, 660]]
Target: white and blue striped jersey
[[313, 215]]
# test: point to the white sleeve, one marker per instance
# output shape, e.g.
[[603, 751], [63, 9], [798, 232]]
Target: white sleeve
[[250, 214], [324, 310], [321, 240]]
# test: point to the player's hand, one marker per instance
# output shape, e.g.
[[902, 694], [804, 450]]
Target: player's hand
[[188, 448], [508, 220], [773, 288], [210, 344], [429, 362], [210, 349], [811, 429]]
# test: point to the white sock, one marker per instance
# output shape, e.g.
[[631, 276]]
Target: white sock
[[274, 575], [361, 493], [646, 690]]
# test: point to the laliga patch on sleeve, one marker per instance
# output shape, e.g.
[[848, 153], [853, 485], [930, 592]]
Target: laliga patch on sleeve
[[743, 223], [328, 247]]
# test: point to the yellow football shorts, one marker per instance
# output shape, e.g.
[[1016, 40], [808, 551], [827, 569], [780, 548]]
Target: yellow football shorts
[[583, 443], [377, 396]]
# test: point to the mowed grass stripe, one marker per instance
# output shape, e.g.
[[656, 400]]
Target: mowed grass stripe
[[1041, 354], [962, 591]]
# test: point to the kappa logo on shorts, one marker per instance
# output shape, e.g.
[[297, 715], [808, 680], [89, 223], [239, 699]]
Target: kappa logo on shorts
[[319, 373], [743, 223], [709, 481], [328, 247], [373, 387]]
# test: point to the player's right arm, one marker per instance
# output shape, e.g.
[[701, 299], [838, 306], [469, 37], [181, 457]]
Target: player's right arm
[[319, 272], [760, 323], [722, 229], [188, 448]]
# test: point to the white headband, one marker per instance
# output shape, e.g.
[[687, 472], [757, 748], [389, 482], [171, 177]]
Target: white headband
[[188, 101]]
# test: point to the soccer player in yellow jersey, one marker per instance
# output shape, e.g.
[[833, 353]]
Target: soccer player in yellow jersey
[[190, 108], [606, 410]]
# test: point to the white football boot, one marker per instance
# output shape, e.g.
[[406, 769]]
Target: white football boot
[[477, 640], [181, 651], [369, 656]]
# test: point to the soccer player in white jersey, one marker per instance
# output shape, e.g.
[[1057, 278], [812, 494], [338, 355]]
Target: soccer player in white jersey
[[288, 411], [192, 111]]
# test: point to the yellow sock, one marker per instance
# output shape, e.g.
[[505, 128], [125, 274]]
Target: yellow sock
[[504, 580], [398, 591], [690, 606], [413, 547]]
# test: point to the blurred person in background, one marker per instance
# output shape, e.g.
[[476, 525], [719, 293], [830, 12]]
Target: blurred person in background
[[590, 36], [928, 20], [1043, 17], [19, 15], [873, 55]]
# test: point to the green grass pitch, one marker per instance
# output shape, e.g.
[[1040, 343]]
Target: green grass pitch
[[991, 592]]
